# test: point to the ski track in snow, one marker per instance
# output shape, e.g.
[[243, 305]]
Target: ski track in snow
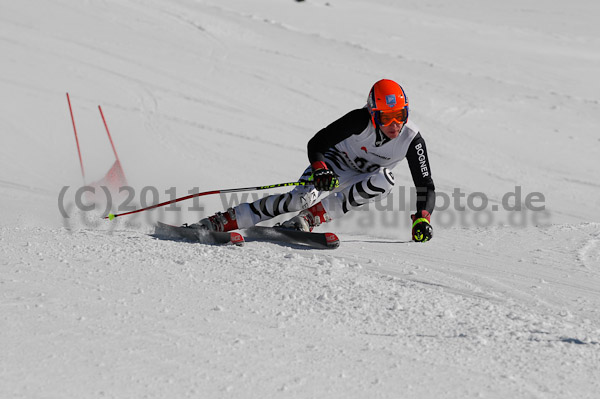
[[589, 254], [198, 93]]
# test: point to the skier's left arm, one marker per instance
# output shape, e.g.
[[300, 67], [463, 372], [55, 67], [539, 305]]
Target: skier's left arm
[[418, 162]]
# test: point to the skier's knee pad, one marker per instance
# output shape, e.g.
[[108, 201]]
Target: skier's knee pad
[[381, 181], [303, 197]]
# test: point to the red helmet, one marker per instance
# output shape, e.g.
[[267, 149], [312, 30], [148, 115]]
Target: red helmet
[[387, 103]]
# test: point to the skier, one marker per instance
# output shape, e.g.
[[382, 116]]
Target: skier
[[350, 165]]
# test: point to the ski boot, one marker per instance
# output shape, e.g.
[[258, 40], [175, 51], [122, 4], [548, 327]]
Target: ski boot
[[307, 219], [218, 222]]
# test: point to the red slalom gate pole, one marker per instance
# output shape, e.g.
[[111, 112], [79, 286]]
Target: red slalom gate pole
[[76, 138], [108, 132], [111, 216]]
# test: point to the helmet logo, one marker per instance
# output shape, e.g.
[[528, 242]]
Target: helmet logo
[[390, 100]]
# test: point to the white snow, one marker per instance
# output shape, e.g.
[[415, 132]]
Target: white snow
[[211, 94]]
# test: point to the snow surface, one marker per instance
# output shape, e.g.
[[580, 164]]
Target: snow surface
[[214, 94]]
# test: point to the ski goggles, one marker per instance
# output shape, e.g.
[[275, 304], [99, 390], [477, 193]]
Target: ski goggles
[[386, 118]]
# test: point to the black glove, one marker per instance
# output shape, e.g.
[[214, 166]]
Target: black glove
[[421, 228], [324, 179]]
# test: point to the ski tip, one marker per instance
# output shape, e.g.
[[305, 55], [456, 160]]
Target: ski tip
[[332, 240], [237, 239]]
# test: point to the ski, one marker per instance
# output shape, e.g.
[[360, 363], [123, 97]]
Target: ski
[[163, 230], [256, 233], [290, 236]]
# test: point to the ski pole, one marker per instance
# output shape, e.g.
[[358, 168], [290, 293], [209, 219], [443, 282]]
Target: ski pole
[[111, 216]]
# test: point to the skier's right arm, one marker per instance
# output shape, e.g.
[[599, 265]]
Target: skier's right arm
[[354, 122]]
